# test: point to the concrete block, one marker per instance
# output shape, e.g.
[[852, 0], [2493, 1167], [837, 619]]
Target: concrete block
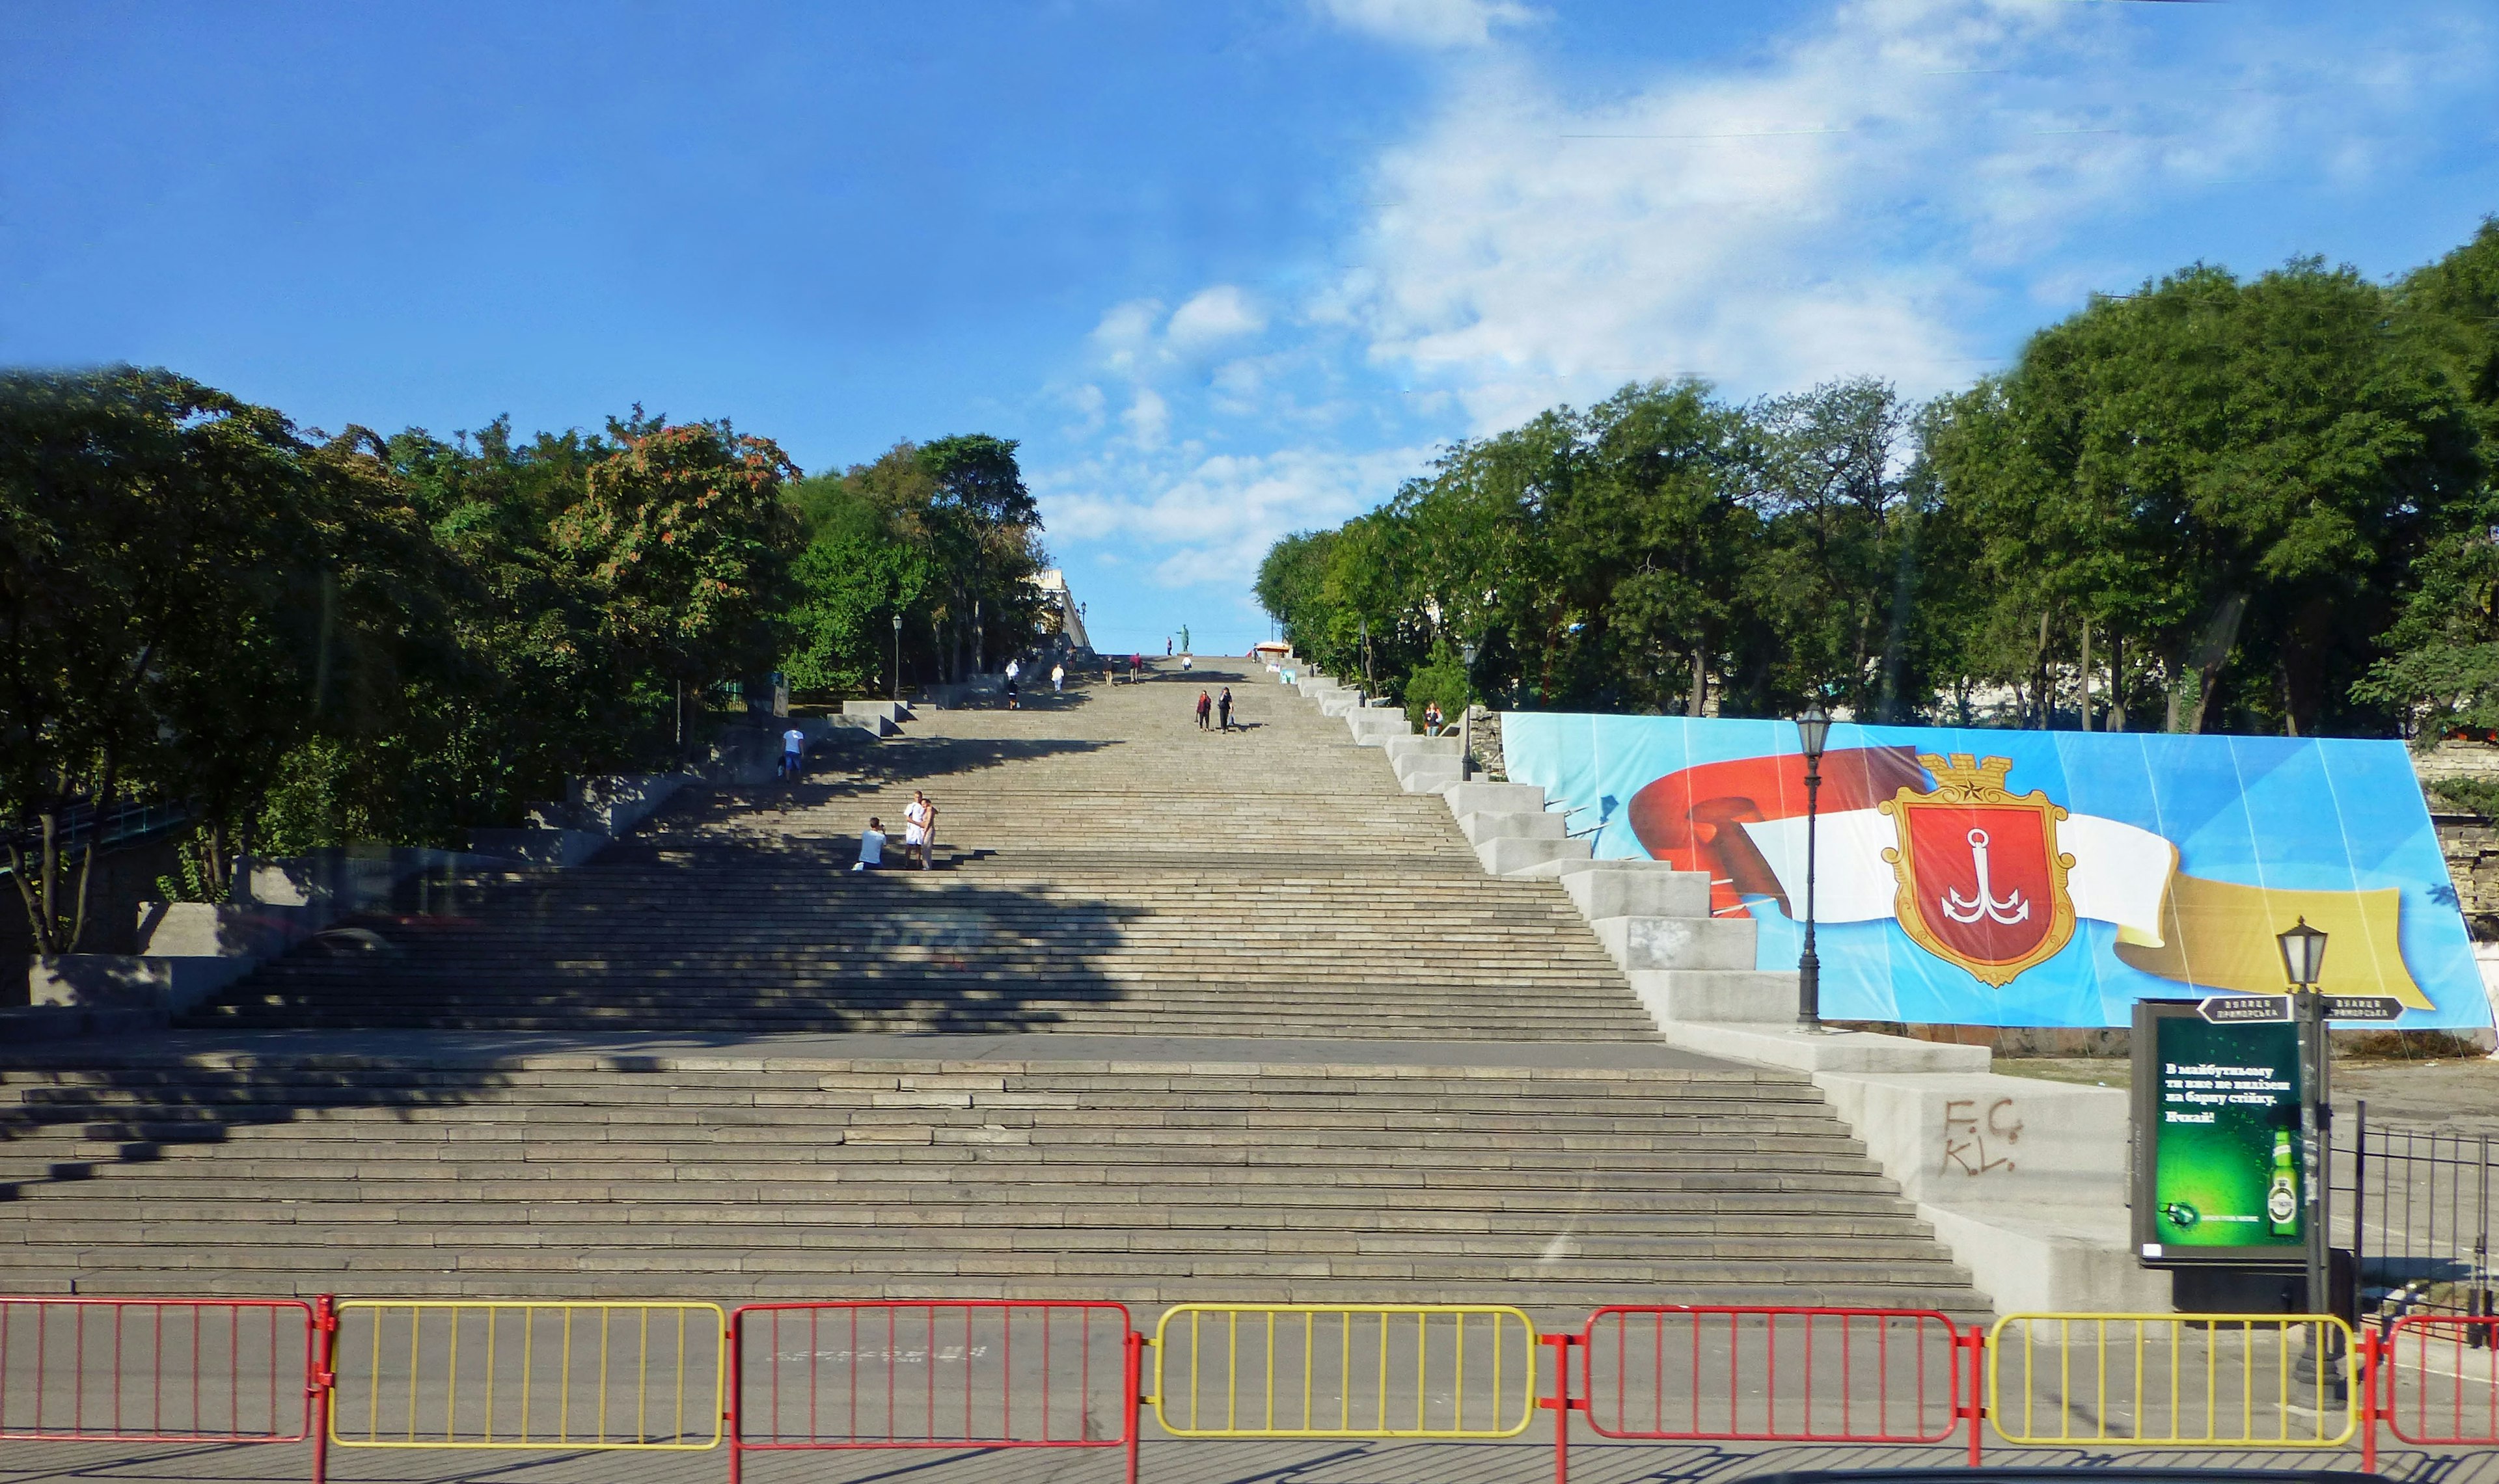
[[2055, 1258], [155, 984], [614, 803], [892, 711], [1540, 826], [1717, 996], [1779, 1044], [1976, 1138], [556, 849], [1413, 764], [1679, 943], [1374, 729], [1412, 745], [872, 724], [1340, 702], [1472, 797], [345, 879], [1427, 775], [1638, 889], [1502, 857], [220, 929]]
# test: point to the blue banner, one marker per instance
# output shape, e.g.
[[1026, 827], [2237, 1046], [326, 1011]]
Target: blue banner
[[1985, 877]]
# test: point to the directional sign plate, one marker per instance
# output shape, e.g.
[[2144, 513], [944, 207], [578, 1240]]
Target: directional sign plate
[[2245, 1009], [2363, 1007]]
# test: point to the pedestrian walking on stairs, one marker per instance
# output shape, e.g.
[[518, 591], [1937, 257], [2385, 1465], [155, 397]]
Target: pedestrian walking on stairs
[[793, 754], [1058, 678], [1224, 709], [1204, 707]]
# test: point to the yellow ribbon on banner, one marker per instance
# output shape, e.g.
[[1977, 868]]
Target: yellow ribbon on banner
[[2219, 935]]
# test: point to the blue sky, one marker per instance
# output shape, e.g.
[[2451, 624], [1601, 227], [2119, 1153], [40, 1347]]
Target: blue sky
[[1226, 270]]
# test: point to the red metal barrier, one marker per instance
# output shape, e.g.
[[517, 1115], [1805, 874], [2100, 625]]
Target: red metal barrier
[[1774, 1374], [2439, 1379], [227, 1370], [944, 1373]]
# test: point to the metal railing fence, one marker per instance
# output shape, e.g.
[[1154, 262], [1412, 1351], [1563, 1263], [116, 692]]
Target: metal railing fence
[[485, 1374], [1345, 1370], [979, 1376], [84, 1370], [936, 1373], [2414, 1205]]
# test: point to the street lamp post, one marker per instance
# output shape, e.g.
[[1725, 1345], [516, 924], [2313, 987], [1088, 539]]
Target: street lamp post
[[1813, 731], [897, 657], [1467, 717], [2303, 963]]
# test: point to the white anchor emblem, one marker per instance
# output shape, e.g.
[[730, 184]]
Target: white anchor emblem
[[1962, 909]]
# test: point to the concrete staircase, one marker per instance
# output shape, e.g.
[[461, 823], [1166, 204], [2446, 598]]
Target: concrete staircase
[[709, 1176], [716, 1062]]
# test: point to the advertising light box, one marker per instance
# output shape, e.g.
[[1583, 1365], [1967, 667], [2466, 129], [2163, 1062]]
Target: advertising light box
[[1985, 877], [2219, 1166]]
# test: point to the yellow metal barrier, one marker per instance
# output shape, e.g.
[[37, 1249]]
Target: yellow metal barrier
[[1345, 1370], [510, 1374], [2214, 1380]]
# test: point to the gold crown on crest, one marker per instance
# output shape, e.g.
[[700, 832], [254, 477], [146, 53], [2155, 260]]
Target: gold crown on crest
[[1965, 775]]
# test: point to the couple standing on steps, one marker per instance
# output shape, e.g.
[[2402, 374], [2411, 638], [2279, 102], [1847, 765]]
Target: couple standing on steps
[[919, 833], [1223, 708]]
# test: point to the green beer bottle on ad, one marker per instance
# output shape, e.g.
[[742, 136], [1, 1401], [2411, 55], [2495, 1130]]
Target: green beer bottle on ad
[[2282, 1201]]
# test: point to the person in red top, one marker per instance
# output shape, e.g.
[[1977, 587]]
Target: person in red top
[[1204, 707]]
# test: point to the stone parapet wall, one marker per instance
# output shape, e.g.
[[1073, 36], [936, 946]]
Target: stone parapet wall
[[2470, 844]]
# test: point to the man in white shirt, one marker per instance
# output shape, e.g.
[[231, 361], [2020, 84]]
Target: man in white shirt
[[871, 846], [794, 752], [1058, 678]]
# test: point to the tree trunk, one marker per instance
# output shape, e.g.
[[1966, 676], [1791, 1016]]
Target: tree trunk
[[2043, 700], [1699, 692], [2087, 674], [94, 846], [2117, 682]]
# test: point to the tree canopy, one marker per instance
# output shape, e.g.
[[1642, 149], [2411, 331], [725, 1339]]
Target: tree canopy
[[2210, 505], [307, 640]]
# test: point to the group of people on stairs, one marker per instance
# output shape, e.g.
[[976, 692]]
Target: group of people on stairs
[[919, 833]]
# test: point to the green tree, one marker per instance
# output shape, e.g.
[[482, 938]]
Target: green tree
[[150, 528]]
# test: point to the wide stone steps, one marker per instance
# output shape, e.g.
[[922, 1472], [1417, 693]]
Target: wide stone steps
[[1151, 1183], [638, 1124]]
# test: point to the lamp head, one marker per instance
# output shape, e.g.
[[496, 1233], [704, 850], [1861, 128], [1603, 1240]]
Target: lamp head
[[2303, 954], [1813, 731], [1467, 653], [897, 623]]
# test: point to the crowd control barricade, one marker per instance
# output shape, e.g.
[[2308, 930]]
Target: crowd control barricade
[[499, 1373], [1444, 1371], [2439, 1379], [2200, 1380], [1772, 1375], [940, 1374], [204, 1370]]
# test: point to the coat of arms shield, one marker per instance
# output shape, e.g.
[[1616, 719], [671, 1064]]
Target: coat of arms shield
[[1982, 883]]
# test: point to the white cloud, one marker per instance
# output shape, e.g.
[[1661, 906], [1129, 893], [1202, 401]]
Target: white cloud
[[1215, 316], [1426, 22], [1212, 520], [1147, 418], [1852, 204], [1126, 334]]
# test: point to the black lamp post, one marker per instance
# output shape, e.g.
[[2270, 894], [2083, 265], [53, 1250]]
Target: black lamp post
[[1467, 715], [1813, 731], [897, 657], [2303, 963]]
